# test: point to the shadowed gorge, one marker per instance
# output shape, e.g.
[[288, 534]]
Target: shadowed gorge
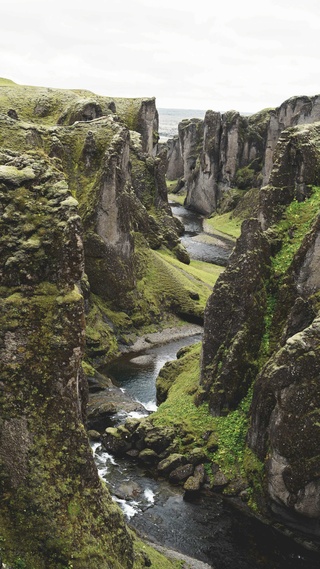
[[93, 266]]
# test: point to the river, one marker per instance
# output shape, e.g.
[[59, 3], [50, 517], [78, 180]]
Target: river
[[210, 528], [202, 246]]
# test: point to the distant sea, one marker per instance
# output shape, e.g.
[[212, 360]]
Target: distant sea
[[170, 118]]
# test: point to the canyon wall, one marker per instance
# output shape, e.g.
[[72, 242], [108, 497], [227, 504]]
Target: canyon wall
[[80, 195], [231, 151], [262, 332], [54, 509]]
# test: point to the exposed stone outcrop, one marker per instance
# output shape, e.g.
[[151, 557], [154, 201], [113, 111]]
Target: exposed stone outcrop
[[47, 106], [69, 260], [234, 322], [269, 333], [233, 151], [54, 509], [294, 111], [174, 159]]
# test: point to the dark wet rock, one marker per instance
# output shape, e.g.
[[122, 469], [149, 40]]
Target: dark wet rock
[[170, 463], [115, 441], [194, 483], [148, 456], [181, 473], [233, 329], [107, 403]]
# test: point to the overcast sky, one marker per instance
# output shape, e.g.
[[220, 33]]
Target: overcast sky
[[231, 54]]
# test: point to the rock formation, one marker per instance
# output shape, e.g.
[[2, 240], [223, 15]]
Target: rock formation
[[262, 329], [232, 152], [256, 432], [54, 509], [79, 196]]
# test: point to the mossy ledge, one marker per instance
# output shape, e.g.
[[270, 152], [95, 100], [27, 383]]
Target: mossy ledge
[[246, 423], [55, 511]]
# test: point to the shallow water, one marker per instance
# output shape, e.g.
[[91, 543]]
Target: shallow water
[[217, 253], [138, 380], [209, 528]]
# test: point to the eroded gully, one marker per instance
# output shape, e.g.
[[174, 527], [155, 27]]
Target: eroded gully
[[209, 528]]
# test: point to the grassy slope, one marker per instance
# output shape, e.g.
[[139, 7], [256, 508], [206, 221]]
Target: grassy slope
[[225, 223]]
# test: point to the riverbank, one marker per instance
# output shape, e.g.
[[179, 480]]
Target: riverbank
[[164, 336], [188, 562]]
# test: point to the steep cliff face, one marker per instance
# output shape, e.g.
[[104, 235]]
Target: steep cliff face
[[54, 509], [294, 111], [81, 203], [47, 106], [121, 190], [237, 151], [231, 156], [174, 169], [262, 329]]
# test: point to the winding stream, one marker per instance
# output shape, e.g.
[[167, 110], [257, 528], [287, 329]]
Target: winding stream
[[202, 246], [211, 529]]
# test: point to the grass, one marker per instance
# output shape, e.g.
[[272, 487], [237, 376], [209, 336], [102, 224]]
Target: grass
[[225, 223], [177, 198], [204, 272], [180, 411], [296, 222]]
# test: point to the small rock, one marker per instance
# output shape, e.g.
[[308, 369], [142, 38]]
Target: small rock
[[148, 456], [181, 473], [128, 490], [94, 435], [170, 463]]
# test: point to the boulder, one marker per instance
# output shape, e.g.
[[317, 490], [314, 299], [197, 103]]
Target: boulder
[[170, 463]]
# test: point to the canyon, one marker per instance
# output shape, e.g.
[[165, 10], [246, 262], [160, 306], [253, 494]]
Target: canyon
[[92, 262]]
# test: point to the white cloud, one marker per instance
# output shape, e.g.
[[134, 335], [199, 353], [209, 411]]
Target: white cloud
[[244, 55]]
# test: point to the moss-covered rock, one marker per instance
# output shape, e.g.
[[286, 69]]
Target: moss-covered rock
[[54, 509]]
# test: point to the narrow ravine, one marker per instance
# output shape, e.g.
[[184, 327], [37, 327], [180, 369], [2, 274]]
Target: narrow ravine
[[209, 528], [209, 247]]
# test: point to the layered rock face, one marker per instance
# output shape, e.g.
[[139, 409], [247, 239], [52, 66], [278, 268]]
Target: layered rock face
[[294, 111], [76, 191], [54, 510], [234, 151], [262, 328]]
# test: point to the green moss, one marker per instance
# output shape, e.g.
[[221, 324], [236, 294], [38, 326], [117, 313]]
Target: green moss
[[225, 223], [231, 438], [195, 426], [254, 470], [296, 222], [147, 556], [205, 273], [100, 337], [245, 178], [166, 288], [179, 409], [55, 513]]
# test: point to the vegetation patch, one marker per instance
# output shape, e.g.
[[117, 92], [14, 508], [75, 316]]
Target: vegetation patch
[[177, 198], [297, 221], [226, 223], [204, 272], [196, 427]]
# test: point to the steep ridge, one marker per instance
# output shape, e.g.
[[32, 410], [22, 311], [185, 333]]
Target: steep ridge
[[274, 301], [81, 204], [229, 153], [246, 424]]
